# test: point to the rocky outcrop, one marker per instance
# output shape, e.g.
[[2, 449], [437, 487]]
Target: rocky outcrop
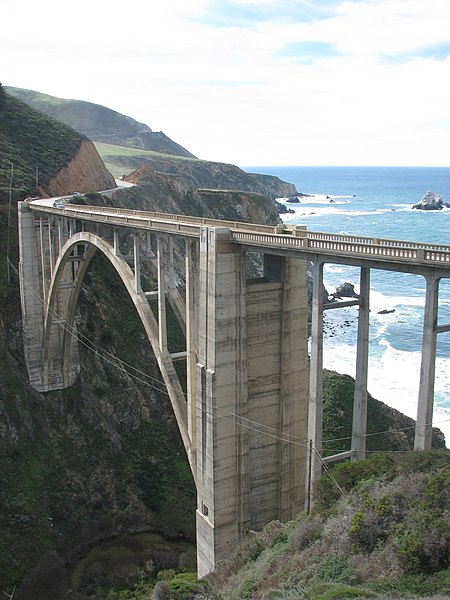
[[431, 201], [86, 172], [204, 174], [345, 290], [175, 194]]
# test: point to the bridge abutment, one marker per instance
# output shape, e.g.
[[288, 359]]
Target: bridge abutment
[[51, 351]]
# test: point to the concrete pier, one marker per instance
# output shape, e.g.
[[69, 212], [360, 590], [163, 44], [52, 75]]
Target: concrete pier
[[252, 377]]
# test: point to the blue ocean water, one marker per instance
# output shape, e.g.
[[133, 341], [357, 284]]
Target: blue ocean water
[[377, 201]]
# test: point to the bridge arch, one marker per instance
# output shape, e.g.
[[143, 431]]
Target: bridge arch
[[93, 243]]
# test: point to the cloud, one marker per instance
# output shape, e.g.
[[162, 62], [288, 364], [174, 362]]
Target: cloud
[[249, 13], [307, 51], [246, 81], [437, 52]]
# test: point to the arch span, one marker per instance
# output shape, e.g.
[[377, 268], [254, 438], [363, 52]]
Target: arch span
[[65, 311]]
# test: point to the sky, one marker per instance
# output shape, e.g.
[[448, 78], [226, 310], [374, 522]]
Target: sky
[[250, 82]]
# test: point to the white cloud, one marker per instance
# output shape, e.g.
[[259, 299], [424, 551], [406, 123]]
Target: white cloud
[[228, 93]]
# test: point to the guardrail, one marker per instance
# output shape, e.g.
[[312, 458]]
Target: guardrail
[[349, 245], [166, 217], [274, 236]]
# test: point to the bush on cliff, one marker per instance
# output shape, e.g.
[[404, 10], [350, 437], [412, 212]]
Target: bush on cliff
[[386, 533]]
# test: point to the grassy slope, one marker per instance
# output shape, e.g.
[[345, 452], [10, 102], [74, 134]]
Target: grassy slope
[[120, 160], [99, 122], [385, 535], [79, 114], [30, 140]]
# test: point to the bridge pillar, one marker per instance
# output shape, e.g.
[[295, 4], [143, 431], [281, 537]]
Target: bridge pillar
[[251, 396], [37, 241], [220, 396], [316, 381], [31, 292], [362, 359], [422, 440], [191, 341]]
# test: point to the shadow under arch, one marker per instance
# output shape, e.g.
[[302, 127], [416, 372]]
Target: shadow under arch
[[92, 243]]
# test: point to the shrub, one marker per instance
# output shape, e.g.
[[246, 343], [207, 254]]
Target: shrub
[[348, 475], [306, 532], [166, 574], [337, 592], [336, 568], [423, 543], [185, 586]]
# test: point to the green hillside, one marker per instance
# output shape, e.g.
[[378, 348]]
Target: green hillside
[[100, 124], [201, 174], [31, 143], [380, 529]]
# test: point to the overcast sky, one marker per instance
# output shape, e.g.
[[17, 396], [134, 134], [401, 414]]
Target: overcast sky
[[250, 82]]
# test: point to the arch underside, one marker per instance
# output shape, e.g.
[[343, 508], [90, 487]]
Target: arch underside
[[62, 307]]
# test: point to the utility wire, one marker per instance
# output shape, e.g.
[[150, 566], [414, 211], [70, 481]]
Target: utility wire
[[238, 419]]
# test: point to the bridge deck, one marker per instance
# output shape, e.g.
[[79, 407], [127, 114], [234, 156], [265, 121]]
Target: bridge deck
[[384, 253]]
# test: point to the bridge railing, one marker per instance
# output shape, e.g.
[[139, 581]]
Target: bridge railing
[[166, 217], [342, 237], [292, 236], [388, 249]]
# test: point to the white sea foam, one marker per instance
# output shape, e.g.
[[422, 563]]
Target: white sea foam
[[304, 211], [382, 207], [393, 378]]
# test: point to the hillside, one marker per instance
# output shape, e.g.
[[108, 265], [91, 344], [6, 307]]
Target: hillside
[[200, 173], [100, 124], [125, 145], [39, 149], [380, 529]]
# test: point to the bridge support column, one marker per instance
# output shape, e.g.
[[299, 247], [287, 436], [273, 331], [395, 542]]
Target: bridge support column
[[137, 263], [251, 395], [315, 382], [162, 325], [422, 440], [190, 342], [362, 358], [31, 292], [220, 395]]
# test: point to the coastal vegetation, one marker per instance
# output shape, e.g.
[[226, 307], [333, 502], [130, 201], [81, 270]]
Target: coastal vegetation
[[379, 529]]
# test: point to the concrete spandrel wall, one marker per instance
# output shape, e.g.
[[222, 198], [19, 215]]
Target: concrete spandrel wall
[[277, 362], [264, 386], [295, 386]]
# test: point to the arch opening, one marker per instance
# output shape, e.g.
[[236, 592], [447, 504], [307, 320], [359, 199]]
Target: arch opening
[[60, 309]]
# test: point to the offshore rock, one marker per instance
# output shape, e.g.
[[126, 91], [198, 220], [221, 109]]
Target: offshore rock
[[346, 290], [431, 201]]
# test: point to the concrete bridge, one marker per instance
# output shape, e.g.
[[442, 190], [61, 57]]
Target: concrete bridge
[[251, 415]]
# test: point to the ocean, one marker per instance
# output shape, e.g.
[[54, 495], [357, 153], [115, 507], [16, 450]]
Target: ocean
[[377, 201]]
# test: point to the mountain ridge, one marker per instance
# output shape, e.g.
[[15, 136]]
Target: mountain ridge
[[99, 123]]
